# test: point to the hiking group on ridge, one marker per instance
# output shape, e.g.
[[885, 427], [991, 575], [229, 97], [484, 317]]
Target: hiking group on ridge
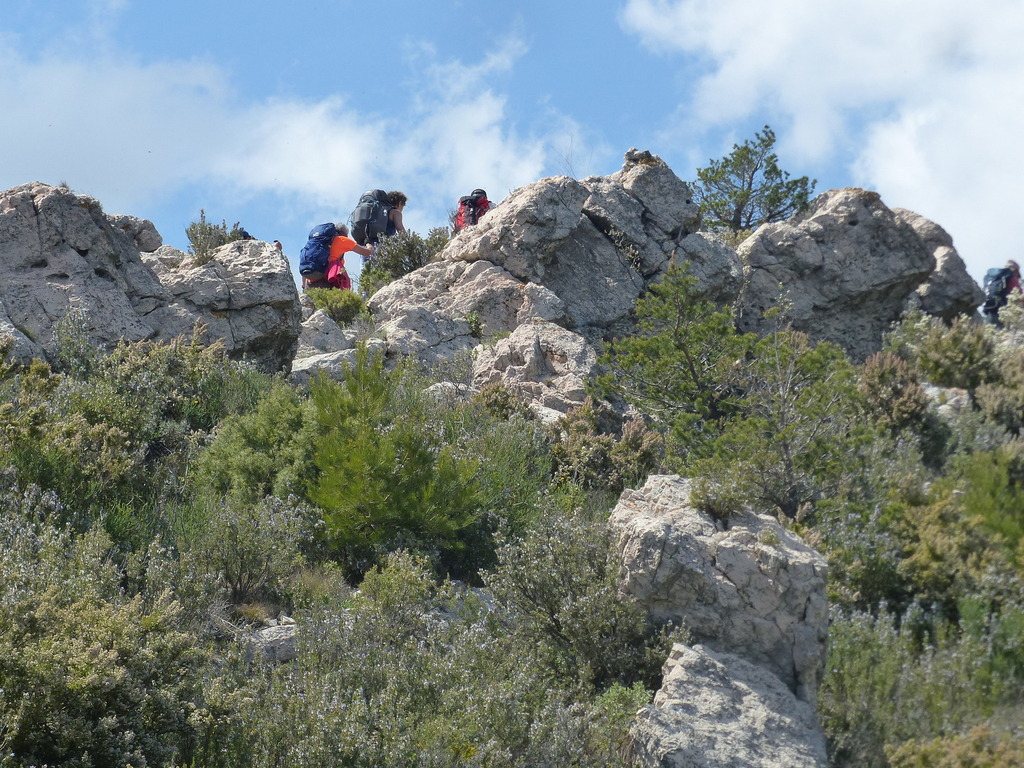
[[378, 214]]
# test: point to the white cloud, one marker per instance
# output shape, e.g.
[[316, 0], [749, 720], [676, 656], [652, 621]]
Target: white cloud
[[927, 91]]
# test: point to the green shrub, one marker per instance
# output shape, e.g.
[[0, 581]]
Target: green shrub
[[252, 548], [958, 355], [561, 582], [981, 747], [412, 672], [204, 238], [399, 255], [267, 451], [585, 454], [342, 306], [881, 687], [401, 468]]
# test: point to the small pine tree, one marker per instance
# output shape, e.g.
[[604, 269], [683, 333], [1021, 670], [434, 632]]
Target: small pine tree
[[747, 188]]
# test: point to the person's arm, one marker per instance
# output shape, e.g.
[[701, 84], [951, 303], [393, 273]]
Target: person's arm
[[396, 218], [362, 250]]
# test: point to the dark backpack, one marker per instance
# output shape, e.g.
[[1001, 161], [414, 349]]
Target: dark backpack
[[370, 218], [314, 254], [471, 208], [997, 286]]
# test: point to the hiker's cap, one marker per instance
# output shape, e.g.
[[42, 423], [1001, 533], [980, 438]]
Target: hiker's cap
[[1011, 264]]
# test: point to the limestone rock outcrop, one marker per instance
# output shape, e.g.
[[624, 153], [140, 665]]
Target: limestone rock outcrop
[[949, 290], [752, 596], [244, 295], [716, 710], [578, 254], [753, 588], [60, 253], [559, 252], [846, 265]]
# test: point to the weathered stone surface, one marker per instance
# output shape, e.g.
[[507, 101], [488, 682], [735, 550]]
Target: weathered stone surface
[[272, 644], [331, 364], [544, 363], [716, 710], [321, 334], [244, 295], [753, 589], [430, 314], [59, 252], [847, 265], [949, 291]]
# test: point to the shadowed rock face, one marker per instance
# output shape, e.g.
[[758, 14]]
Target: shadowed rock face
[[59, 252]]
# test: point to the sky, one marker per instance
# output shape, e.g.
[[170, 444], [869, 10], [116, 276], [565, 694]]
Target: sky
[[279, 115]]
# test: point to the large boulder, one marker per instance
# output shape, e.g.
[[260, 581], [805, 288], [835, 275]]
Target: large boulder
[[60, 253], [716, 710], [244, 295], [753, 588], [543, 277], [846, 266], [949, 291]]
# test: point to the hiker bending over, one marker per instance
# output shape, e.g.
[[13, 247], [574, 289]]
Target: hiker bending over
[[397, 201], [999, 284], [335, 275]]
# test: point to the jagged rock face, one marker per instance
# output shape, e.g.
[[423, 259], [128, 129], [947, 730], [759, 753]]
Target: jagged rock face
[[715, 710], [847, 266], [576, 254], [59, 252], [949, 291], [753, 589], [543, 361], [244, 295]]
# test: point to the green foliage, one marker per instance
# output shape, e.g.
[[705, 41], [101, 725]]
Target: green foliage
[[267, 451], [118, 439], [399, 469], [747, 188], [88, 675], [253, 547], [1001, 398], [981, 747], [993, 490], [204, 238], [959, 355], [415, 673], [798, 438], [342, 306], [676, 368], [884, 687], [561, 581], [399, 255], [587, 452]]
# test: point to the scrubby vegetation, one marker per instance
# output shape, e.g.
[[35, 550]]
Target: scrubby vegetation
[[448, 558]]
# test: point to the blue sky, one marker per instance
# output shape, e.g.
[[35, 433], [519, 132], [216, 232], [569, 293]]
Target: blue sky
[[278, 115]]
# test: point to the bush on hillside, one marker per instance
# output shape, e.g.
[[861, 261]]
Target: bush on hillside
[[341, 306], [399, 255], [399, 468]]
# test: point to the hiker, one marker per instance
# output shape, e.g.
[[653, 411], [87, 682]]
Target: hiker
[[379, 214], [397, 200], [999, 284], [322, 261], [472, 208]]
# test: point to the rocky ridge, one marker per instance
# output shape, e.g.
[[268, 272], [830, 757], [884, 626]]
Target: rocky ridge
[[526, 297]]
